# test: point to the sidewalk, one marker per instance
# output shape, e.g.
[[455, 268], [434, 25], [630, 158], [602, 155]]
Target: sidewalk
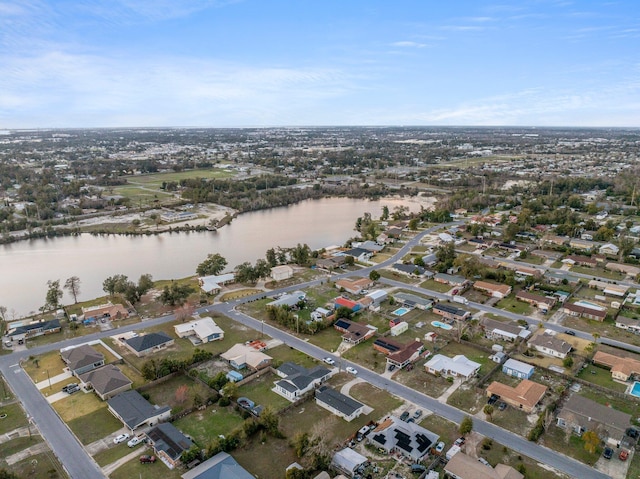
[[44, 383], [26, 453], [457, 382]]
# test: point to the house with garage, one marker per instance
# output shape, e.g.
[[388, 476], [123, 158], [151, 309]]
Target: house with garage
[[19, 331], [359, 254], [525, 396], [331, 263], [450, 279], [411, 301], [405, 438], [595, 312], [200, 330], [108, 311], [450, 312], [149, 343], [168, 443], [339, 404], [411, 269], [213, 284], [354, 286], [134, 411], [297, 380], [457, 367], [82, 359], [354, 333], [106, 381], [503, 330], [609, 249], [550, 345], [220, 466], [574, 259], [581, 415], [462, 466], [282, 272], [242, 356], [407, 354], [630, 324], [622, 368], [518, 369], [492, 289], [543, 303]]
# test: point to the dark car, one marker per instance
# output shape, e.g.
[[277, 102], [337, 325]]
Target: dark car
[[404, 416], [570, 333], [502, 406], [608, 453], [492, 399], [146, 459], [632, 433]]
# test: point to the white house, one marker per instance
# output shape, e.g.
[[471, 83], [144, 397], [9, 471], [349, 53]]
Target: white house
[[280, 273], [338, 404], [609, 249], [550, 345], [299, 380], [201, 330], [214, 283], [458, 366]]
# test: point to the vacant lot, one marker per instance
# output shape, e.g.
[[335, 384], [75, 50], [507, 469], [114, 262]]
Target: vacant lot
[[206, 425], [102, 423], [40, 465], [513, 305], [38, 367], [260, 392], [15, 418], [170, 393]]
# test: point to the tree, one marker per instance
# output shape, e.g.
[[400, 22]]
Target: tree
[[229, 390], [270, 421], [591, 441], [214, 264], [54, 294], [271, 257], [245, 273], [567, 362], [115, 284], [145, 284], [374, 275], [466, 426], [175, 294], [349, 260], [4, 474], [385, 213], [73, 286], [446, 255], [488, 410], [3, 312], [181, 393]]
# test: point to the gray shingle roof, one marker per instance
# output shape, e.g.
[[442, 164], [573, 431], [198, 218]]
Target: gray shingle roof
[[133, 408], [148, 341]]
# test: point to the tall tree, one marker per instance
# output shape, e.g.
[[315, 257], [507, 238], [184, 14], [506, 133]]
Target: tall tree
[[466, 425], [214, 264], [54, 294], [271, 257], [72, 285]]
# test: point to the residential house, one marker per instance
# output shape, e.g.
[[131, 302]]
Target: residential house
[[106, 381], [505, 331], [341, 302], [550, 345], [458, 366], [410, 269], [580, 260], [582, 415], [200, 330], [462, 466], [409, 300], [242, 356], [359, 254], [543, 303], [450, 312], [329, 264], [82, 359], [631, 271], [108, 311], [387, 345], [394, 232], [524, 396], [298, 380], [134, 411], [354, 333], [338, 404], [220, 466], [347, 461], [622, 368], [289, 299], [406, 438], [629, 324], [369, 246], [609, 249], [21, 331], [492, 289], [377, 297], [582, 245], [354, 286], [555, 240], [518, 369], [213, 284], [618, 290], [282, 272], [595, 313], [450, 279], [406, 355], [148, 343], [168, 443]]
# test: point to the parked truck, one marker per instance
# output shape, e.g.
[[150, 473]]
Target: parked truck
[[460, 299]]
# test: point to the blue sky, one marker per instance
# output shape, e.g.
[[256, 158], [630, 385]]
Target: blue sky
[[226, 63]]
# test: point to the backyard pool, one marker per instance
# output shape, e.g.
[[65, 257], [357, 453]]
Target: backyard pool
[[635, 389], [401, 311], [440, 325]]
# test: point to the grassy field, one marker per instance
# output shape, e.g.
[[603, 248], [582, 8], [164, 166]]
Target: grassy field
[[164, 393], [382, 402], [601, 377], [134, 469], [40, 465], [265, 457], [78, 404], [19, 444], [37, 367], [16, 417], [466, 398], [203, 426], [102, 423], [259, 391], [555, 439], [284, 353], [422, 381], [599, 272], [435, 286], [364, 354], [514, 306], [112, 454]]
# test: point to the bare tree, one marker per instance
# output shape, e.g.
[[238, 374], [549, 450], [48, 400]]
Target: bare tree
[[72, 285]]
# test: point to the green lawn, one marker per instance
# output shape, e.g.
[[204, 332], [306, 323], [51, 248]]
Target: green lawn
[[265, 457], [205, 425], [365, 355], [260, 392], [38, 366], [284, 353], [598, 272], [478, 355], [19, 444], [77, 405], [436, 286], [102, 424], [601, 377], [556, 439], [380, 400], [328, 339], [16, 417], [134, 469], [514, 306], [512, 420], [112, 454], [41, 465], [467, 399], [422, 381], [165, 393]]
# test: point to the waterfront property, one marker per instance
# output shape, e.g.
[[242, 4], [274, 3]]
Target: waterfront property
[[19, 331], [213, 284], [282, 272], [108, 311]]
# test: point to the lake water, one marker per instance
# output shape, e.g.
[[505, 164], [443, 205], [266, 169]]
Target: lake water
[[25, 267]]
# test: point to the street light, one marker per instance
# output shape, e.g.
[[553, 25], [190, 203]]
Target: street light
[[49, 379]]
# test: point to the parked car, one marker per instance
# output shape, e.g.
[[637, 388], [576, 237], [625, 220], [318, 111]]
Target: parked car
[[404, 416], [608, 453], [71, 388], [134, 441], [147, 459], [417, 414], [439, 447], [632, 433], [329, 361], [570, 333], [120, 438], [492, 399], [392, 367], [624, 455], [502, 406], [460, 441], [351, 370], [482, 460], [417, 468]]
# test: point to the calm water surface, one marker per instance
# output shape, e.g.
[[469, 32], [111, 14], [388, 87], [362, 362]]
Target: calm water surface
[[25, 267]]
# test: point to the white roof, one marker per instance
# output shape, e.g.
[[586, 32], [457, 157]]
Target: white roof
[[243, 354], [445, 237], [213, 282], [377, 294], [202, 327], [348, 459], [517, 365], [458, 364]]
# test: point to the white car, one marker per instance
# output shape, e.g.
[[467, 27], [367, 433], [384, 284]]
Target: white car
[[329, 361], [120, 438], [134, 441], [351, 370]]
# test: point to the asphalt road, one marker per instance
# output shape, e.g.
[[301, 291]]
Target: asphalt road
[[80, 466]]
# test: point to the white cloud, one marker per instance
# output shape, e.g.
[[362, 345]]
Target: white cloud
[[407, 44]]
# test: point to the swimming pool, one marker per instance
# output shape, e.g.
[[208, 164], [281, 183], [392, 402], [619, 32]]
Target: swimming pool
[[401, 311], [635, 389], [588, 304], [440, 325]]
